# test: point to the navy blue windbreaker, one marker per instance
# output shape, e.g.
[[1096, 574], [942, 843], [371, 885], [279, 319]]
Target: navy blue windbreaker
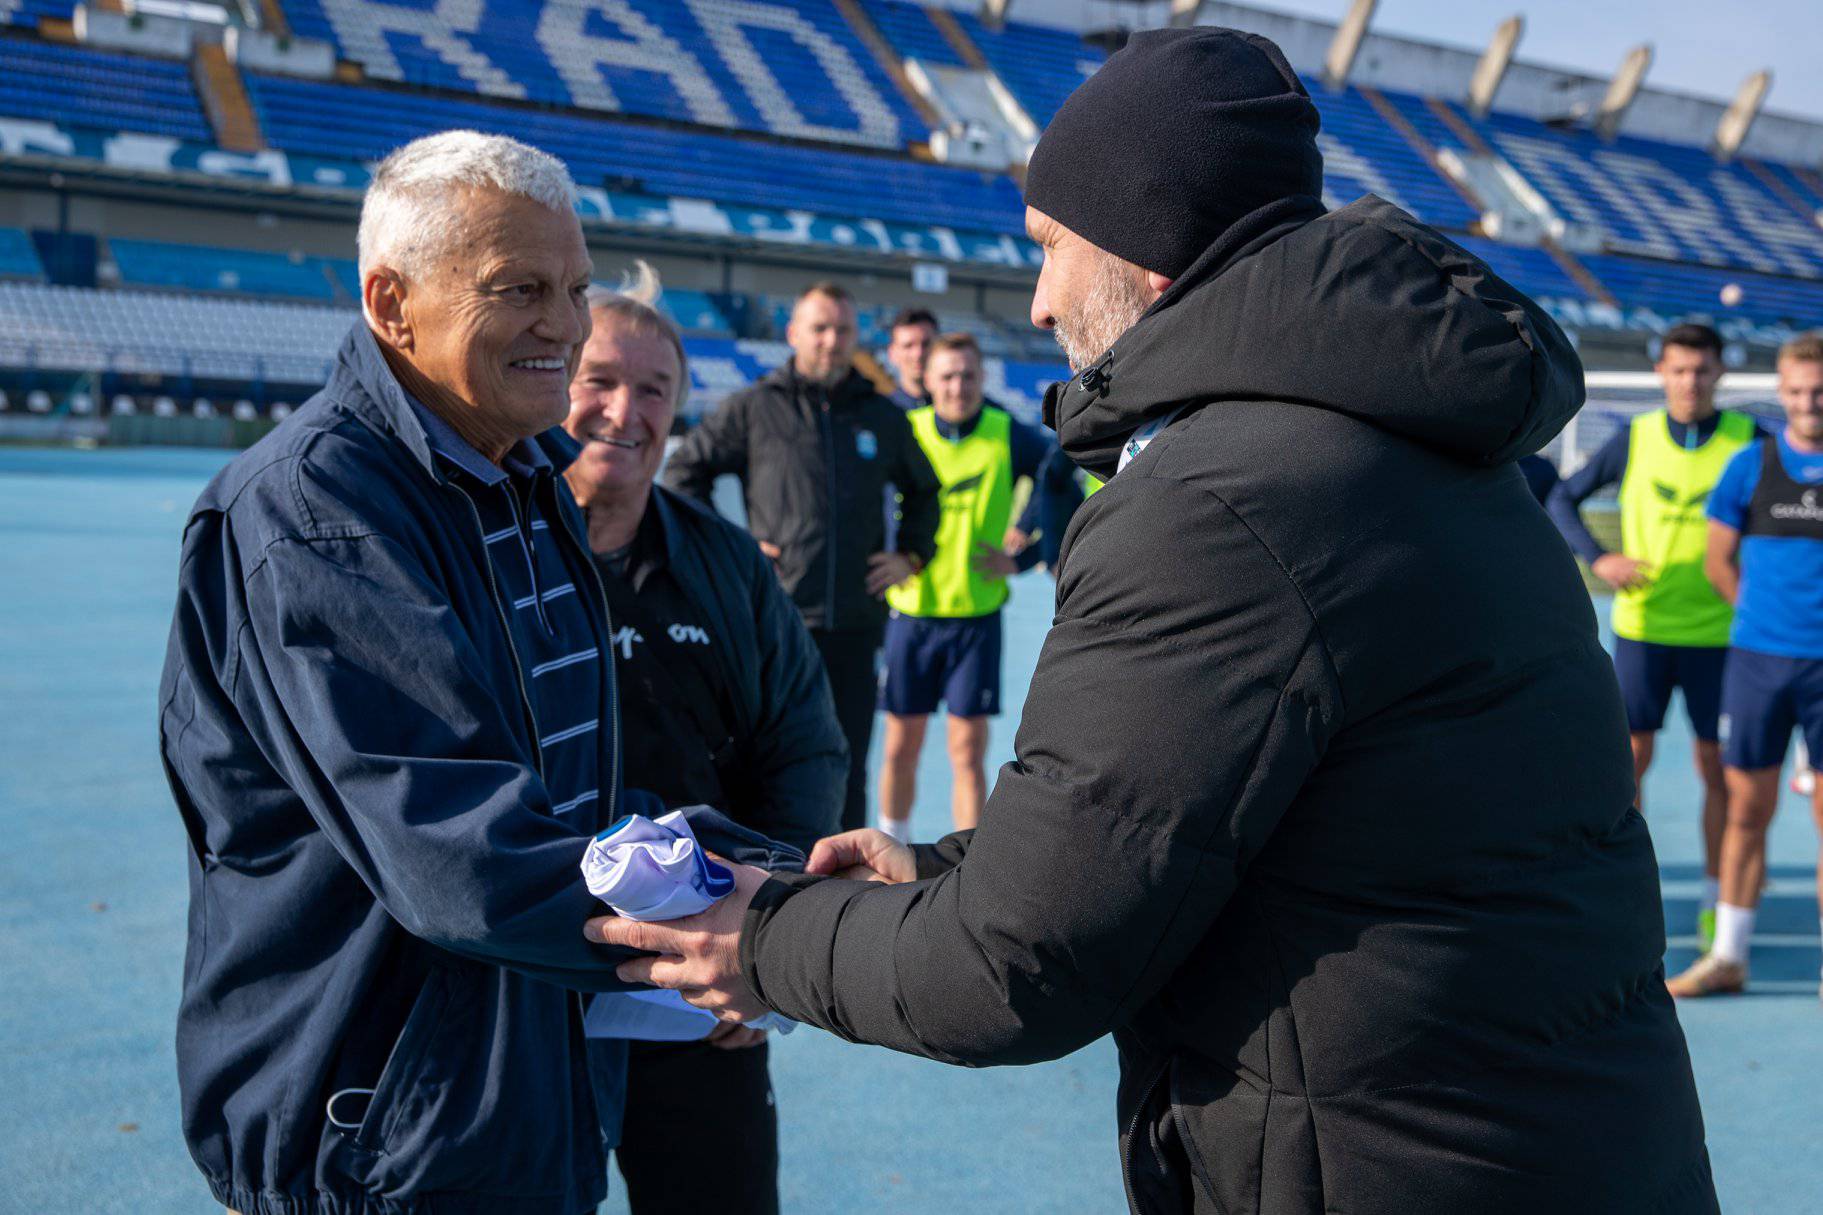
[[380, 1009]]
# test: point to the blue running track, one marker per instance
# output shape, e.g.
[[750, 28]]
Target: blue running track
[[92, 899]]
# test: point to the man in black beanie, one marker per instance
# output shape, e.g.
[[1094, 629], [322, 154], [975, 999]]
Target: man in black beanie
[[1249, 830]]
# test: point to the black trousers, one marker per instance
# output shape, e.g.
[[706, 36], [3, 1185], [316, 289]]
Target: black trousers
[[700, 1133], [850, 657]]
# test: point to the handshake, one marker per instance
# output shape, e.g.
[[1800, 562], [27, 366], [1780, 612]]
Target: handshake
[[699, 956]]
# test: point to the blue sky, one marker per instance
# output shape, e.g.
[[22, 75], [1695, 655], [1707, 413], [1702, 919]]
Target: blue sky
[[1699, 46]]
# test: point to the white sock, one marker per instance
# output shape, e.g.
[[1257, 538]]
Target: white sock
[[1733, 929], [1712, 893], [898, 828]]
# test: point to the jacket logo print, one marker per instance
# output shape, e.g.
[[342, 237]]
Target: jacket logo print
[[681, 633], [625, 638], [866, 445]]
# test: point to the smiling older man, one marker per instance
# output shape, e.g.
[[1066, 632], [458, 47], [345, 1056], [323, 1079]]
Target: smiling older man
[[389, 723], [724, 703]]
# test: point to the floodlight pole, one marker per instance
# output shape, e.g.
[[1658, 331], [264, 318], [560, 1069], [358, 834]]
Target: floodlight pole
[[1493, 66], [1347, 43], [1737, 120], [1622, 90]]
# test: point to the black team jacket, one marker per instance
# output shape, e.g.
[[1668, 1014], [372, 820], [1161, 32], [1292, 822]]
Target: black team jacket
[[790, 761], [1323, 802], [814, 463]]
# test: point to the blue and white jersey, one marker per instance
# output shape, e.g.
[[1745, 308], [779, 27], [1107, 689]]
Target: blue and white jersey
[[1780, 606]]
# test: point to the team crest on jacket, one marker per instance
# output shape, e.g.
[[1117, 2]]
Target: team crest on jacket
[[866, 446]]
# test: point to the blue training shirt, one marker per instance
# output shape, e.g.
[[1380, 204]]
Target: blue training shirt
[[1780, 606]]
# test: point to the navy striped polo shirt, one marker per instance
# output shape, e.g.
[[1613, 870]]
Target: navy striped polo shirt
[[560, 641]]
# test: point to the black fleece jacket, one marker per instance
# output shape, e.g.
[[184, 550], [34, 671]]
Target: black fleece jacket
[[814, 464], [1323, 803]]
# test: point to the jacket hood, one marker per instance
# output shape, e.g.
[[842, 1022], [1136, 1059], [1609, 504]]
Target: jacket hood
[[1363, 311]]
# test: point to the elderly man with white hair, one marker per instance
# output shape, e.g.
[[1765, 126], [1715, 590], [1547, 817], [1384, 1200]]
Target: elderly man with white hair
[[389, 723]]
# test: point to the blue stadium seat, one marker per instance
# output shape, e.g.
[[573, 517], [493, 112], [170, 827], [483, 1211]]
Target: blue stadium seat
[[1020, 385], [786, 67], [1660, 200], [340, 121], [28, 13], [1363, 154], [695, 312], [84, 88], [19, 257], [146, 263], [1674, 289], [910, 31], [1040, 66], [1806, 187]]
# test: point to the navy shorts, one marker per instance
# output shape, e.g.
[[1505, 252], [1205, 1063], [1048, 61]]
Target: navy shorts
[[1764, 696], [1648, 672], [956, 662]]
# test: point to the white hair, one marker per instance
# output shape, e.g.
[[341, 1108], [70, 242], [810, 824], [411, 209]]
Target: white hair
[[408, 215], [640, 284], [634, 303]]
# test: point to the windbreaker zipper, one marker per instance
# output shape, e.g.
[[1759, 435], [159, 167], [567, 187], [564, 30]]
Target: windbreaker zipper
[[1126, 1157]]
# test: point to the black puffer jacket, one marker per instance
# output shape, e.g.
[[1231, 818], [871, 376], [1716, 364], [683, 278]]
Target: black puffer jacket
[[1322, 802], [814, 463]]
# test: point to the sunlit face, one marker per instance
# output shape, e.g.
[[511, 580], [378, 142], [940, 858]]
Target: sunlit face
[[822, 336], [953, 379], [1689, 376], [1085, 296], [906, 352], [493, 331], [1801, 395], [622, 403]]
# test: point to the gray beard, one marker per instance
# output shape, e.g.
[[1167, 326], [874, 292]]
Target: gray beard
[[1112, 305]]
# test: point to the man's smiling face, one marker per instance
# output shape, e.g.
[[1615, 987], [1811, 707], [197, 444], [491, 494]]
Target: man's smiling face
[[497, 326], [622, 403]]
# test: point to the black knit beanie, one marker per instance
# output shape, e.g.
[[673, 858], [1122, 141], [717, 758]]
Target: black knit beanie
[[1181, 133]]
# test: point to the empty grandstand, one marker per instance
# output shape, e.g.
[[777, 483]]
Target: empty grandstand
[[177, 194]]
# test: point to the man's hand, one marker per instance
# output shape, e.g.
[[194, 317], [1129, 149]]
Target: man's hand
[[771, 550], [699, 955], [866, 855], [727, 1035], [991, 562], [1621, 572], [1015, 540], [887, 570]]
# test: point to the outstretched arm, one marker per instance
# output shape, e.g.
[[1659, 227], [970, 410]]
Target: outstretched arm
[[1108, 848]]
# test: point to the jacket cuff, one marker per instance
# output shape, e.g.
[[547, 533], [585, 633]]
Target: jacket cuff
[[934, 860], [771, 895]]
